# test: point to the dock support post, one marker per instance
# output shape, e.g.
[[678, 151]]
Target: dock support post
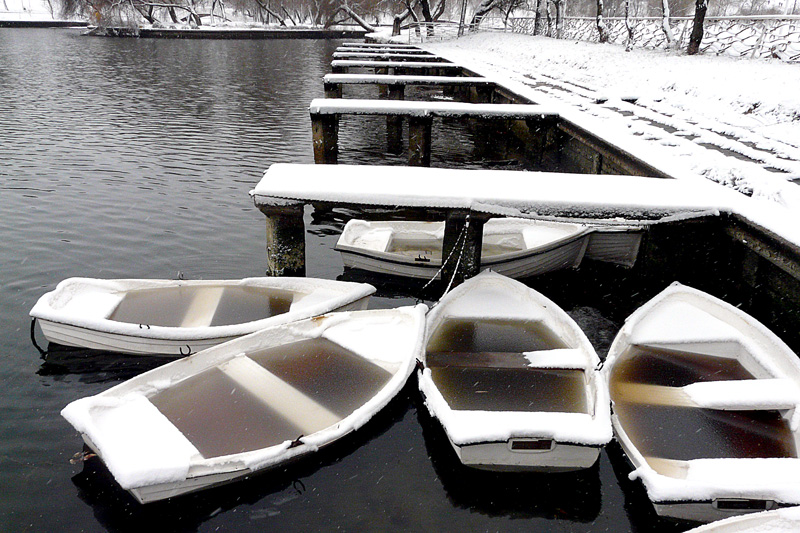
[[394, 124], [383, 89], [286, 244], [325, 132], [332, 90], [419, 141], [463, 239]]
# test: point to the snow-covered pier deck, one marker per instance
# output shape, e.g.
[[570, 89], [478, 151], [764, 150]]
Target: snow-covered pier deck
[[342, 66], [466, 199], [396, 85], [387, 56], [384, 50], [326, 112]]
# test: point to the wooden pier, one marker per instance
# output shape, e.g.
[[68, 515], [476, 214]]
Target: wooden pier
[[387, 56], [396, 85], [466, 199], [698, 232], [343, 66], [326, 113]]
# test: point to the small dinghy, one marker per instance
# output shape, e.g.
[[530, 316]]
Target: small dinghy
[[705, 407], [176, 317], [512, 247], [512, 379], [250, 404], [777, 521]]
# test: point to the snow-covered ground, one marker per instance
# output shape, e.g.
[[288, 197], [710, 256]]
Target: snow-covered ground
[[758, 95], [27, 10], [733, 121]]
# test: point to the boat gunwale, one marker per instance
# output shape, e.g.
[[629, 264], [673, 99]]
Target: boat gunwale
[[347, 293], [272, 456]]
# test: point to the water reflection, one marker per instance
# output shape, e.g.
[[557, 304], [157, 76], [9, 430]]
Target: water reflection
[[276, 496], [95, 366], [572, 496], [639, 509]]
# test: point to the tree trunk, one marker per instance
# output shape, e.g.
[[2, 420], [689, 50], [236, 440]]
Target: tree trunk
[[696, 37], [628, 26], [537, 19], [481, 11], [601, 25], [665, 23], [352, 14]]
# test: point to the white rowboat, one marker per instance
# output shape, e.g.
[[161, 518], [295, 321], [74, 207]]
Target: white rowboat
[[512, 379], [250, 404], [513, 247], [176, 317], [705, 407]]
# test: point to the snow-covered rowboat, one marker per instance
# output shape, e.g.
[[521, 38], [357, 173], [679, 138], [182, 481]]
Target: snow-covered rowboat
[[785, 520], [250, 404], [705, 406], [512, 379], [513, 247], [176, 317]]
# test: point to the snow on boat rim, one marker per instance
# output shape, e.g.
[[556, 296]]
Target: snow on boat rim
[[490, 295], [472, 427], [121, 422], [762, 353], [88, 302], [537, 234], [785, 520]]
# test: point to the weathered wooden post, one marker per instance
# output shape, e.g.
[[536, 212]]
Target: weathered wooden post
[[394, 123], [491, 138], [484, 94], [382, 87], [540, 130], [286, 244], [461, 247], [419, 141], [325, 133], [332, 90]]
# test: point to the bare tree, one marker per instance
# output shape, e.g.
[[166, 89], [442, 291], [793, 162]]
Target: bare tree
[[697, 27], [601, 25], [665, 27]]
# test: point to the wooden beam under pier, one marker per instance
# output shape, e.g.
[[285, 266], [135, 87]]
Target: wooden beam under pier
[[379, 45], [326, 112], [477, 195], [342, 66], [333, 83], [388, 56]]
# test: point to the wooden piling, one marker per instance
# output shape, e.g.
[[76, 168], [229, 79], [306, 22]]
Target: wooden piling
[[461, 246], [419, 141], [394, 123], [325, 133], [286, 245]]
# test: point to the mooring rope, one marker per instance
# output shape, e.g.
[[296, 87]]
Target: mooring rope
[[462, 237], [33, 338]]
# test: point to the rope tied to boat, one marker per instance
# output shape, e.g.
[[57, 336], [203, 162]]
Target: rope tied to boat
[[462, 237], [42, 352]]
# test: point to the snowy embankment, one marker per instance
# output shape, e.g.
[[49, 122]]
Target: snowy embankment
[[27, 10], [733, 121]]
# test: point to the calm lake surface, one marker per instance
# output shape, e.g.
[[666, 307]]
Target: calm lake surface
[[134, 158]]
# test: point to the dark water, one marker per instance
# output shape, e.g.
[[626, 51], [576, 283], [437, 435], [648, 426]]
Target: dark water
[[133, 158]]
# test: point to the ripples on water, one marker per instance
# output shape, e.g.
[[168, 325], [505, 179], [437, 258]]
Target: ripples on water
[[133, 158]]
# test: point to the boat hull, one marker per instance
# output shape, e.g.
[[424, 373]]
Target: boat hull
[[178, 318], [687, 363], [564, 248], [500, 457], [513, 380], [237, 409], [79, 337]]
